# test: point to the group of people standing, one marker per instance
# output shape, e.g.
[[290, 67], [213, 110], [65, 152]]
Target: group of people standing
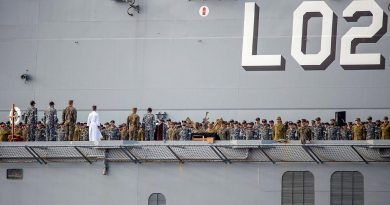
[[65, 131], [50, 120], [149, 128]]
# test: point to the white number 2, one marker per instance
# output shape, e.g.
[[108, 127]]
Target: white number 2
[[351, 60]]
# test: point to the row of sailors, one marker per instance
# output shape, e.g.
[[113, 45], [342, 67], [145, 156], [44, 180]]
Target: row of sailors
[[233, 130]]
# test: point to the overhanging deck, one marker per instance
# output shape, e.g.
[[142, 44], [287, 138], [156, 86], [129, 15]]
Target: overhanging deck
[[191, 151]]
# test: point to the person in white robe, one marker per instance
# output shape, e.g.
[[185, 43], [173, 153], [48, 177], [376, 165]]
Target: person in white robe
[[93, 123]]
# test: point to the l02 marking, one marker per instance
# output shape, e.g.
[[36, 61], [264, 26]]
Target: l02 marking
[[349, 58]]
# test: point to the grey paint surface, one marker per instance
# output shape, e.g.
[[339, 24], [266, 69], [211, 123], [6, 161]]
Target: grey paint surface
[[170, 58], [188, 184], [209, 182]]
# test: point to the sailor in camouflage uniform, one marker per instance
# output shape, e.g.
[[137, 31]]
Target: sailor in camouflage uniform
[[291, 132], [256, 128], [113, 131], [60, 132], [223, 132], [247, 133], [40, 133], [304, 131], [235, 132], [345, 133], [278, 130], [50, 119], [318, 130], [378, 129], [84, 132], [171, 131], [358, 130], [385, 129], [333, 131], [132, 124], [69, 118], [370, 129], [265, 132], [149, 124], [185, 132], [31, 119]]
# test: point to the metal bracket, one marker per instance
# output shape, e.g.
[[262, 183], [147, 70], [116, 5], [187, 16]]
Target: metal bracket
[[220, 154], [32, 154], [37, 155], [85, 157], [354, 149], [105, 162], [311, 154], [268, 157], [130, 155], [174, 154], [314, 154]]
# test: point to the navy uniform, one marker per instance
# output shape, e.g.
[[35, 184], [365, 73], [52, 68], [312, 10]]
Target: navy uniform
[[247, 133], [60, 133], [185, 133], [40, 133], [69, 117], [235, 132], [31, 119], [292, 132], [149, 125], [256, 129], [370, 129], [223, 132], [305, 132], [333, 131], [265, 132], [50, 119], [113, 133], [177, 131], [318, 130], [84, 133]]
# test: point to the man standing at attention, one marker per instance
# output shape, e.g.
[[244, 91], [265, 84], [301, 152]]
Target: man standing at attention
[[50, 119], [133, 124], [385, 129], [31, 120], [279, 131], [93, 122], [69, 117], [149, 124], [358, 130]]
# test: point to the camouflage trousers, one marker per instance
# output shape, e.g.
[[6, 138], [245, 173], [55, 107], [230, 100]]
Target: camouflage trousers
[[50, 132], [149, 135], [31, 132], [69, 131], [133, 133]]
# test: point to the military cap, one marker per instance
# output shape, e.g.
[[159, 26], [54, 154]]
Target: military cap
[[357, 119], [278, 118]]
